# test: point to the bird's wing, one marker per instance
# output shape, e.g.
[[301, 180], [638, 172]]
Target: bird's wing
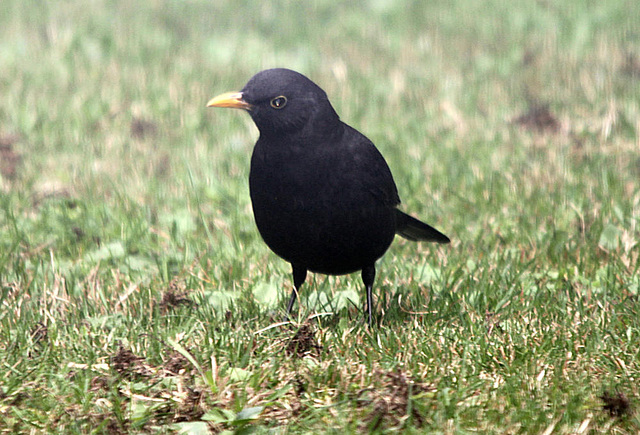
[[368, 168], [372, 174]]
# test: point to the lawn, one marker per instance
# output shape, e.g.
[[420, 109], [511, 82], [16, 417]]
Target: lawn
[[136, 293]]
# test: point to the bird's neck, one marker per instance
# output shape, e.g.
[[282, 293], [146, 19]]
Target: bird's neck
[[321, 132]]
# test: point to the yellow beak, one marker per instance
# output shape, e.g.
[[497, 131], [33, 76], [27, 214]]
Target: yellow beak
[[229, 99]]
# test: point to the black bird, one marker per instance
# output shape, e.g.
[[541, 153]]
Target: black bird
[[323, 196]]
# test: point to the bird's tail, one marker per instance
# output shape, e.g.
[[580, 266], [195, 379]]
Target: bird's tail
[[412, 229]]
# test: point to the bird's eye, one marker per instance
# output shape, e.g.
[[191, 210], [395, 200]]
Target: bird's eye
[[279, 102]]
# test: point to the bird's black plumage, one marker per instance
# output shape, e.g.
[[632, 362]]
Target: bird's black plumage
[[323, 196]]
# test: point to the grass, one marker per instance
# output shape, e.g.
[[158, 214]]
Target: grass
[[137, 295]]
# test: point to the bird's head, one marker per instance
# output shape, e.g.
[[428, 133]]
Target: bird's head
[[281, 101]]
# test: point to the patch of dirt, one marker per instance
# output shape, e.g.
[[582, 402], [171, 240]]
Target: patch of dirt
[[39, 336], [129, 365], [300, 385], [616, 404], [632, 66], [172, 299], [142, 128], [17, 398], [162, 166], [114, 427], [175, 364], [78, 232], [390, 402], [303, 343], [99, 383], [539, 118], [191, 406], [39, 332], [9, 159], [174, 296], [180, 400]]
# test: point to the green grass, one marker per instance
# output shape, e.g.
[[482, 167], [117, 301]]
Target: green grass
[[137, 296]]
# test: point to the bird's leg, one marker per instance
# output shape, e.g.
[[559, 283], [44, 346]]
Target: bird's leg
[[299, 275], [368, 275]]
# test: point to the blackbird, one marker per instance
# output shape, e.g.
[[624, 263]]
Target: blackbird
[[323, 196]]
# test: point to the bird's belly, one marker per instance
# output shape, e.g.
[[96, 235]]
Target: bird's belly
[[331, 235]]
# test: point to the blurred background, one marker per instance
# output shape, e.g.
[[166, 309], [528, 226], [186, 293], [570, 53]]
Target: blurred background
[[472, 102]]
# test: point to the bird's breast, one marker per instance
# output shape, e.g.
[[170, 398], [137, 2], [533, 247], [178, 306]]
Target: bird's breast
[[309, 212]]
